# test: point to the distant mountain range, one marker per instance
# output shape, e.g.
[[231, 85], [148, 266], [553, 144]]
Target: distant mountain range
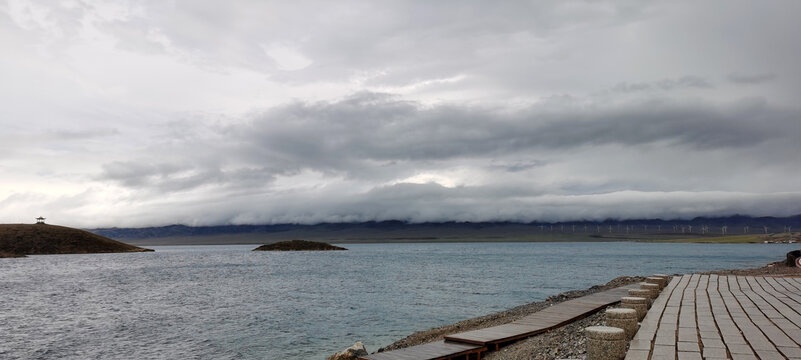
[[445, 231]]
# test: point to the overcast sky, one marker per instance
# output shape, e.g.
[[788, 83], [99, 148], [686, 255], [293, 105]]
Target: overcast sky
[[143, 113]]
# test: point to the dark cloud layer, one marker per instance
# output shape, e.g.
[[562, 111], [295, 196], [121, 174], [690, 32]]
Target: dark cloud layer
[[751, 79], [368, 139], [379, 127]]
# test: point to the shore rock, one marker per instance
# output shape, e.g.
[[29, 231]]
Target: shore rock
[[298, 245], [351, 353], [791, 257]]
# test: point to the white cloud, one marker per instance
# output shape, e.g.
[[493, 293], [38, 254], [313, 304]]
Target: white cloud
[[287, 58], [153, 112]]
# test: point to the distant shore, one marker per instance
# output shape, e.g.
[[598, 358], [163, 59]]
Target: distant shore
[[564, 342], [701, 229], [251, 239]]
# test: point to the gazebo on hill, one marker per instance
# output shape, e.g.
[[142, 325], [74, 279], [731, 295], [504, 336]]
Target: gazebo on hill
[[40, 220]]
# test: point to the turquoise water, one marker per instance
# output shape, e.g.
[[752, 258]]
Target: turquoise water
[[226, 302]]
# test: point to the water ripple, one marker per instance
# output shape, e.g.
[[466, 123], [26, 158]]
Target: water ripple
[[225, 302]]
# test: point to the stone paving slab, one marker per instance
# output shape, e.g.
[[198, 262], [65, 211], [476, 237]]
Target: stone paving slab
[[722, 317]]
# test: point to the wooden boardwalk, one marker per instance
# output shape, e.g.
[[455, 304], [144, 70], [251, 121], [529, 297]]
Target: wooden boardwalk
[[478, 341], [722, 317], [543, 320]]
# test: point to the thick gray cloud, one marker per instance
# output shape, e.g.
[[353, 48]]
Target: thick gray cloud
[[368, 126], [665, 84], [751, 79], [370, 141], [352, 135], [198, 112]]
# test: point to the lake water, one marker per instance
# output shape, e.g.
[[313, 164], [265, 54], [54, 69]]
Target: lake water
[[226, 302]]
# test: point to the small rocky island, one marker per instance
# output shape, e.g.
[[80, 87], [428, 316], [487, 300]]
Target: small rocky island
[[298, 245], [17, 240]]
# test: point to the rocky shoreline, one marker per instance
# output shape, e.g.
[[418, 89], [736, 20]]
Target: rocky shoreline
[[567, 341]]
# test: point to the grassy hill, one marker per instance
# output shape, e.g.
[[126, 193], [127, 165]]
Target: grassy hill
[[743, 239], [736, 239], [10, 255], [36, 239]]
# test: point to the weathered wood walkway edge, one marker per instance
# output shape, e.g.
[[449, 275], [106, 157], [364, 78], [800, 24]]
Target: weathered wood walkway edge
[[476, 342]]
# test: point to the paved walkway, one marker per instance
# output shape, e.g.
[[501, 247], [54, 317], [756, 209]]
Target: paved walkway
[[722, 317]]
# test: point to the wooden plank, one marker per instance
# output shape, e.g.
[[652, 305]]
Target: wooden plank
[[496, 334], [686, 342], [652, 334], [790, 291], [723, 324], [752, 332], [432, 351], [759, 316], [775, 284], [793, 280], [771, 297], [534, 322], [789, 284], [709, 312], [649, 325], [790, 320]]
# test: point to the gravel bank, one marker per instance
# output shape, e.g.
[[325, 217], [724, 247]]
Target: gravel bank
[[562, 343]]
